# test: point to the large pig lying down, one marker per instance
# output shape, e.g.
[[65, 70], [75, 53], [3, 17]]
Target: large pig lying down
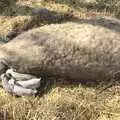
[[77, 51]]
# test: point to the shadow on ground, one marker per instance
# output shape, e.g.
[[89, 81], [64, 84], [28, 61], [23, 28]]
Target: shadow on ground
[[111, 6], [38, 17]]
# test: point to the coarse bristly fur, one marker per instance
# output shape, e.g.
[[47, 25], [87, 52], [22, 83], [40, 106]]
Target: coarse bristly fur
[[74, 50]]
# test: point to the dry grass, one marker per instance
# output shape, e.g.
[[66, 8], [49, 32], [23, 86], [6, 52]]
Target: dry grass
[[61, 102]]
